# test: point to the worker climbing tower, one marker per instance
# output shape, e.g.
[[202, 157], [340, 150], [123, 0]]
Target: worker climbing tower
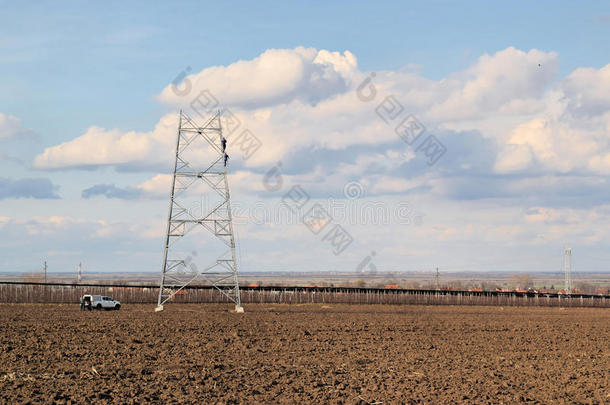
[[199, 230]]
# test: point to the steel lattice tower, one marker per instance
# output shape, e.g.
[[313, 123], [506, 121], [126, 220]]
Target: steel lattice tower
[[197, 144], [568, 271]]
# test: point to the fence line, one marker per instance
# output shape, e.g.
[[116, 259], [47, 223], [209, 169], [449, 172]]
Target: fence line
[[15, 292]]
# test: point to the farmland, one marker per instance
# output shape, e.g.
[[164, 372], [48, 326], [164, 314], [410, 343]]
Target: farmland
[[315, 352]]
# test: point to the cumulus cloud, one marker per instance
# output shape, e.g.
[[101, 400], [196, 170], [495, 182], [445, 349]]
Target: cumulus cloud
[[587, 91], [39, 188], [557, 143], [101, 147], [276, 76], [272, 97], [527, 158], [508, 114], [508, 82]]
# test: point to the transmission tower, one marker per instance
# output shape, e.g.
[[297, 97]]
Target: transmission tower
[[199, 167], [568, 271]]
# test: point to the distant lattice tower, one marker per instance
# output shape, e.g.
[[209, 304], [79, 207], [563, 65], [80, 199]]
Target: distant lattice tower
[[199, 168], [568, 271]]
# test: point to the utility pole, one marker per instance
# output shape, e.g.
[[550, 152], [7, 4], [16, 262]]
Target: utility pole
[[79, 275], [437, 286], [200, 166], [45, 271]]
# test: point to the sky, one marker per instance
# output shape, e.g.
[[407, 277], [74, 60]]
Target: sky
[[469, 136]]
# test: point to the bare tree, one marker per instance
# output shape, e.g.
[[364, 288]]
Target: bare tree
[[489, 286], [585, 288], [522, 281]]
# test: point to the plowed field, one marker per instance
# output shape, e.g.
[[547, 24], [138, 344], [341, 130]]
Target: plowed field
[[304, 354]]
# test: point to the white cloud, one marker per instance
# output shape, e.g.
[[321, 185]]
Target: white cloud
[[537, 173], [11, 127], [587, 91], [303, 107], [557, 142], [101, 147], [290, 79], [275, 76], [158, 185]]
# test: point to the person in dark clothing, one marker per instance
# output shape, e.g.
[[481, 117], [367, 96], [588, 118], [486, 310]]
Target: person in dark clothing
[[226, 158], [223, 141]]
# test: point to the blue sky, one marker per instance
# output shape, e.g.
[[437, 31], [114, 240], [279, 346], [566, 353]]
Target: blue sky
[[67, 67]]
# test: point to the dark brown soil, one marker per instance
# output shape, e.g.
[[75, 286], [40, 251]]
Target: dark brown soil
[[304, 354]]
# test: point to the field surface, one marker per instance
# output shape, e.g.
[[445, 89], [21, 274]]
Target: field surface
[[304, 354]]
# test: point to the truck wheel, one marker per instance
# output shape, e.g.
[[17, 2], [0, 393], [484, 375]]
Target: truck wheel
[[117, 306], [99, 306]]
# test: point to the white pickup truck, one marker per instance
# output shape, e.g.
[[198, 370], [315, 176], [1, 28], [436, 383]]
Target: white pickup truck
[[99, 302]]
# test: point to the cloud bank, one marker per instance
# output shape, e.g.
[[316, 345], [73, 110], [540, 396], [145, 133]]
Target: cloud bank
[[507, 122]]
